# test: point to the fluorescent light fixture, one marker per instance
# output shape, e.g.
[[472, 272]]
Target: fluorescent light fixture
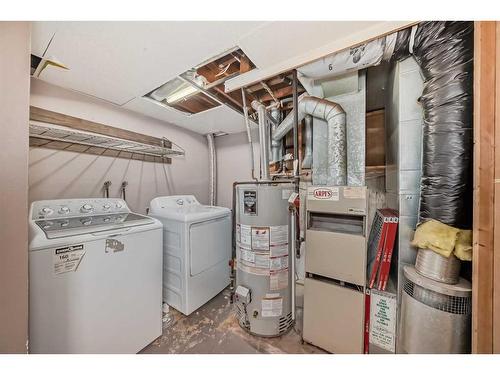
[[181, 94]]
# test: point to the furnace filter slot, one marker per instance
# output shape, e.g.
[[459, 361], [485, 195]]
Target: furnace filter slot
[[337, 223]]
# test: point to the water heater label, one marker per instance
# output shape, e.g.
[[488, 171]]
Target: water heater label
[[321, 193], [279, 235], [245, 235], [260, 238], [278, 250], [250, 202], [272, 307], [278, 264], [278, 280], [67, 259]]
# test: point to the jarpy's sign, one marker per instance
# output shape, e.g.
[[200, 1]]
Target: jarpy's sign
[[322, 193]]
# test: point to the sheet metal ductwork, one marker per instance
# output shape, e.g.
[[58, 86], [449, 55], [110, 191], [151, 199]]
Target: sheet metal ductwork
[[308, 140], [444, 51], [212, 156], [335, 117], [263, 139]]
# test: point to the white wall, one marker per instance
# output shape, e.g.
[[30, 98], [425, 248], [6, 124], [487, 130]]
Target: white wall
[[61, 174], [14, 98], [233, 163]]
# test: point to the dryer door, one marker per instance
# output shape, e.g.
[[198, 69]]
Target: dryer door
[[210, 244]]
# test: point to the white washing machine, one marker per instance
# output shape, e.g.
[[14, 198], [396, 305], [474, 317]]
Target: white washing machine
[[95, 277], [196, 250]]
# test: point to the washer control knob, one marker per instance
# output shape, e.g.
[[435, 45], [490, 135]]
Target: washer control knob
[[64, 210], [106, 207], [85, 221], [46, 211], [64, 223], [179, 202], [86, 208], [118, 205]]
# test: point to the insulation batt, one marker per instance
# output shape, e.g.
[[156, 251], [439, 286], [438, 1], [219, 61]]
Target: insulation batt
[[444, 51]]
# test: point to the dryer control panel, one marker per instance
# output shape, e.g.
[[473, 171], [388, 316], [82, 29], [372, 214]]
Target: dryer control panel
[[176, 201]]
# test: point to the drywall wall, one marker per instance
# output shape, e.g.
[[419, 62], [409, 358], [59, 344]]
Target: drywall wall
[[61, 174], [14, 101], [233, 163]]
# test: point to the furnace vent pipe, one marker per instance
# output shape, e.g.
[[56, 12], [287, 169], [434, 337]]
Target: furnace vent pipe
[[308, 139], [212, 156], [264, 139], [335, 117], [276, 145]]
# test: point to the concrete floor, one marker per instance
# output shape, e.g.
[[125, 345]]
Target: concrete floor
[[213, 329]]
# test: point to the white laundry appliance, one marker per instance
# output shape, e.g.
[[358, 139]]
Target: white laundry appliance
[[95, 277], [196, 250]]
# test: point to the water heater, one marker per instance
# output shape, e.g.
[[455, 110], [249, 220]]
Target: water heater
[[263, 295]]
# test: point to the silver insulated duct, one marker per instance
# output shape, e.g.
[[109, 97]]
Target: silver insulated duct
[[212, 186], [335, 117]]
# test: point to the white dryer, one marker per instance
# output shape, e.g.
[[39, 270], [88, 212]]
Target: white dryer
[[95, 277], [196, 250]]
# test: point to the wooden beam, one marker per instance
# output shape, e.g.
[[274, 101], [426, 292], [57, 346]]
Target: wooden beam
[[56, 118], [496, 255], [245, 64], [484, 177], [279, 93]]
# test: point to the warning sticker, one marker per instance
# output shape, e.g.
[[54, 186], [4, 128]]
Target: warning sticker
[[253, 270], [260, 238], [279, 235], [247, 256], [67, 259], [262, 261], [278, 251], [355, 192], [272, 307], [246, 235], [278, 264], [383, 320], [278, 280]]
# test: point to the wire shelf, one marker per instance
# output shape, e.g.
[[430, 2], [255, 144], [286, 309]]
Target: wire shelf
[[62, 138]]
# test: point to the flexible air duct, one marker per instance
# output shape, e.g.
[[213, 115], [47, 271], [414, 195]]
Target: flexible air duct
[[335, 117], [212, 186], [444, 51]]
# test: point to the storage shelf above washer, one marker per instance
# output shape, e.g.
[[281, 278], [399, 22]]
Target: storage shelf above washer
[[61, 137]]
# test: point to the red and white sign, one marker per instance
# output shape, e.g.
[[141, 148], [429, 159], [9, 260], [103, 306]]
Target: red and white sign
[[323, 193]]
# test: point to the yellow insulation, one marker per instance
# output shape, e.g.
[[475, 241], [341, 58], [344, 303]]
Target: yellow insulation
[[444, 239]]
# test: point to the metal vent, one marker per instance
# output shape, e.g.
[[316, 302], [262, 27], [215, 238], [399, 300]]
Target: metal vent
[[241, 315], [285, 322], [450, 304]]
